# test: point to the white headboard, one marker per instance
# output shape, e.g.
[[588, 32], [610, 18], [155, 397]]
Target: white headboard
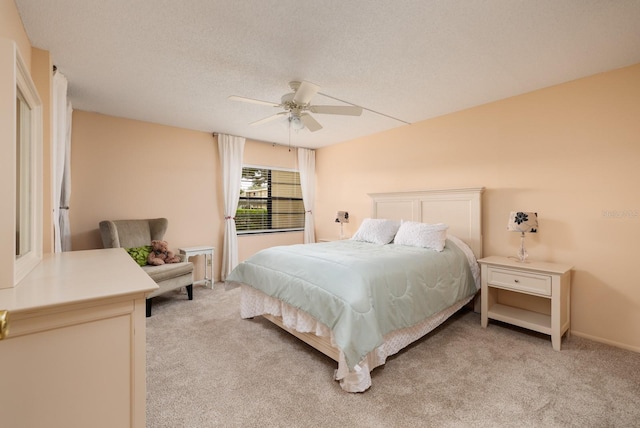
[[461, 209]]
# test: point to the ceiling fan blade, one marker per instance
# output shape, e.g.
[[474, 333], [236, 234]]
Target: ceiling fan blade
[[311, 124], [305, 92], [342, 110], [268, 119], [254, 101]]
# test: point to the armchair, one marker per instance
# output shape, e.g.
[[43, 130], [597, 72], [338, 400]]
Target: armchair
[[137, 233]]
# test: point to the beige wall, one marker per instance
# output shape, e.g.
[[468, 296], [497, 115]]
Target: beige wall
[[11, 28], [570, 152], [125, 168], [42, 75]]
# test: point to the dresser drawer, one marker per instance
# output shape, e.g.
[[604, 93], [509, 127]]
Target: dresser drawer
[[520, 281]]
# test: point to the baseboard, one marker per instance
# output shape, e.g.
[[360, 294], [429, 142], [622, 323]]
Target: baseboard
[[606, 341]]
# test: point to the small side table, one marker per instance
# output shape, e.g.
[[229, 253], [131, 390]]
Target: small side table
[[549, 281], [207, 252]]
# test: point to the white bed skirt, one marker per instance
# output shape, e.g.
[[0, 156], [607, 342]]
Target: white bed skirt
[[254, 303]]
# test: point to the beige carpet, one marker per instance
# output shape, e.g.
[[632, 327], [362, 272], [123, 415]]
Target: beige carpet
[[206, 367]]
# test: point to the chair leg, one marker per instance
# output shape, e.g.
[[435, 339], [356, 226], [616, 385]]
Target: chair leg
[[148, 308], [190, 291]]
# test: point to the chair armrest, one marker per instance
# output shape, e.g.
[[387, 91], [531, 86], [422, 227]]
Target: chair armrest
[[109, 234]]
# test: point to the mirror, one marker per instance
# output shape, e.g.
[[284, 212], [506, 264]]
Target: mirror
[[24, 188], [21, 184], [26, 172]]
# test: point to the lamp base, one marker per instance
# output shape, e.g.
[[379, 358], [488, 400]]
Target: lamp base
[[522, 252]]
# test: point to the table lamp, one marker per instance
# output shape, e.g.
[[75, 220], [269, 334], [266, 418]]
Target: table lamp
[[523, 222], [342, 217]]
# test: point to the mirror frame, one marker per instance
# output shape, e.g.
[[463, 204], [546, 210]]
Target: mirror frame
[[25, 263], [14, 76]]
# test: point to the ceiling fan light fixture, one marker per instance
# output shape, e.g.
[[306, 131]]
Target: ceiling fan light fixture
[[296, 122]]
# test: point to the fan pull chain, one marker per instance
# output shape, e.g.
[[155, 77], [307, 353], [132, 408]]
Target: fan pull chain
[[289, 132]]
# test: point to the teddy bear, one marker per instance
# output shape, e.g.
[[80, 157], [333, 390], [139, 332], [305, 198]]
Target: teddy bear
[[160, 254]]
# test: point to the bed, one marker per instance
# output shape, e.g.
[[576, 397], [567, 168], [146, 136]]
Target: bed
[[359, 301]]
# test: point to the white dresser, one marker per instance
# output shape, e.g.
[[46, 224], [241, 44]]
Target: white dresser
[[74, 355]]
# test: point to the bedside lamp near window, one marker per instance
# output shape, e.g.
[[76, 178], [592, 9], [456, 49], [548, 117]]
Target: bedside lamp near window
[[523, 222], [342, 217]]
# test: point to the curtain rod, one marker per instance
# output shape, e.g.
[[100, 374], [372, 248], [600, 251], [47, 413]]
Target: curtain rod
[[215, 134]]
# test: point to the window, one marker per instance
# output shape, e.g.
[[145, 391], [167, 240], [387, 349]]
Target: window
[[270, 201]]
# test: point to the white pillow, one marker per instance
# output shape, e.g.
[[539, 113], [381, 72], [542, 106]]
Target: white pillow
[[425, 235], [376, 231]]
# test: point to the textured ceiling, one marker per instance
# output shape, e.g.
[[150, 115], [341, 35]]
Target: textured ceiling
[[176, 62]]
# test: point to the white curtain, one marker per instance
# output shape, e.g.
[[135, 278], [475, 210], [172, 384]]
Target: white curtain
[[61, 160], [230, 149], [307, 168]]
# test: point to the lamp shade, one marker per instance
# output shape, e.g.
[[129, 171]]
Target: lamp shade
[[342, 217], [525, 222]]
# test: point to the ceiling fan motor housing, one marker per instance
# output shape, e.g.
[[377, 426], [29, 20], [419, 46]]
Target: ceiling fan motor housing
[[291, 106], [297, 104]]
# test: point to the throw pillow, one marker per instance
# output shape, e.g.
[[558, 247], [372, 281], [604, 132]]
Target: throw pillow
[[140, 254]]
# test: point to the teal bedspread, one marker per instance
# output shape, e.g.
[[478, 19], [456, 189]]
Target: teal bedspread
[[361, 291]]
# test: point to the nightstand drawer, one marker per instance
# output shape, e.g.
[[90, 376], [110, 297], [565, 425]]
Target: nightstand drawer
[[520, 281]]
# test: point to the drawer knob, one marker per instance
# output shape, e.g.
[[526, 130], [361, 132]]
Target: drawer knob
[[517, 281], [4, 324]]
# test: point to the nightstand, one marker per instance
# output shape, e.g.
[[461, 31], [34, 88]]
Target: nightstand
[[207, 252], [543, 288]]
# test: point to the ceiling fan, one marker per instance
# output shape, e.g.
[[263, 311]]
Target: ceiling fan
[[296, 107]]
